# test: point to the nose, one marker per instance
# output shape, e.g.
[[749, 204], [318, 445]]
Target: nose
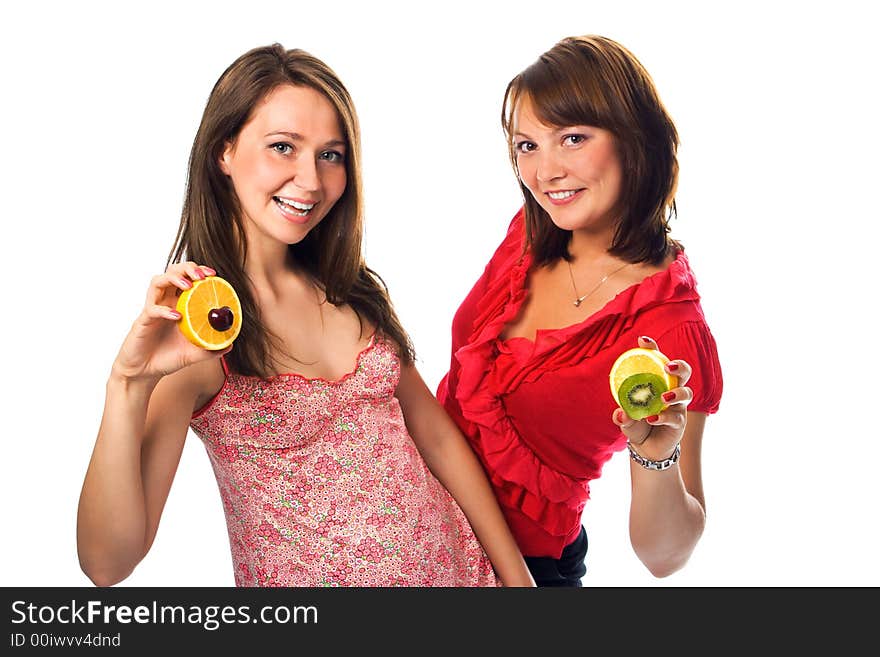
[[305, 174], [549, 167]]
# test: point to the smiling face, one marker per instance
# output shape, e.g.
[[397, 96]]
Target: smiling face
[[287, 164], [573, 172]]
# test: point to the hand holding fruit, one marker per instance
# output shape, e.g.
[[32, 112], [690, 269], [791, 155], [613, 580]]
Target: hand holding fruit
[[652, 396], [210, 314], [155, 346]]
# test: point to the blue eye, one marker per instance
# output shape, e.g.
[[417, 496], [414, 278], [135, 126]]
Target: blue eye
[[525, 146], [282, 148], [332, 156]]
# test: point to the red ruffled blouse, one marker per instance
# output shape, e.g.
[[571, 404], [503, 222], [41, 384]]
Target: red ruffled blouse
[[538, 413]]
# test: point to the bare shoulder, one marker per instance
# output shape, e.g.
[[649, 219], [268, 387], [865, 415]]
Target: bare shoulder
[[410, 379], [640, 271], [412, 390]]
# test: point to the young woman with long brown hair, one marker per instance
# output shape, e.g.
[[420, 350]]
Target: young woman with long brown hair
[[324, 440]]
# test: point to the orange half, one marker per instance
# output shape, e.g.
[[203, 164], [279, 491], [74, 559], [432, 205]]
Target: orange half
[[195, 305]]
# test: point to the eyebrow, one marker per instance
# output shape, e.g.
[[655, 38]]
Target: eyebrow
[[295, 136], [517, 133]]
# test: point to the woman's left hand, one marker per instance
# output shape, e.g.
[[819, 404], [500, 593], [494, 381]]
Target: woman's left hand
[[655, 437]]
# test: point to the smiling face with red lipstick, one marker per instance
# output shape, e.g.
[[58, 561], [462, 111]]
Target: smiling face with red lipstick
[[573, 172], [287, 165], [594, 150]]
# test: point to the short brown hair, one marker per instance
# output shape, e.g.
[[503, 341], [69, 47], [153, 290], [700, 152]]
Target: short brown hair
[[592, 80]]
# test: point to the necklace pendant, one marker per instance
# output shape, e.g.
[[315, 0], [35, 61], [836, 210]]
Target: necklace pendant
[[577, 303]]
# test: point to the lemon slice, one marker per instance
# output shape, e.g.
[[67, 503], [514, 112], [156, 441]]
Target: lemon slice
[[639, 361], [210, 313]]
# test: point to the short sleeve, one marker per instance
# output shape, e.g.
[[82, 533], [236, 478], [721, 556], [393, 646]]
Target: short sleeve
[[694, 343]]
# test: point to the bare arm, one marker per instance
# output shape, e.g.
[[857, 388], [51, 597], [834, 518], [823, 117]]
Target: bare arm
[[133, 463], [156, 380], [452, 461], [667, 513]]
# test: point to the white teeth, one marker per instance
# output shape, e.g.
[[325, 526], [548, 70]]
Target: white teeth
[[558, 196], [296, 204]]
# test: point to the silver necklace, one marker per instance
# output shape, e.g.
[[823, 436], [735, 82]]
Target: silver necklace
[[579, 299]]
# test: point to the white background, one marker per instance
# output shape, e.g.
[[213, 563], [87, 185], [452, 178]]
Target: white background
[[777, 109]]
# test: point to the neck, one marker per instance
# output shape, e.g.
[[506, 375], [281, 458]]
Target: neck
[[590, 246], [269, 265], [263, 267]]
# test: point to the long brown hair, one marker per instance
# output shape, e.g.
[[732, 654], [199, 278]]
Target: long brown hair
[[211, 230], [592, 80]]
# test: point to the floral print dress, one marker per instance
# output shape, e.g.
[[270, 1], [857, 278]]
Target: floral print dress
[[322, 484]]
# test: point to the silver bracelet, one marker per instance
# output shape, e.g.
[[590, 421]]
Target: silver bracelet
[[654, 465]]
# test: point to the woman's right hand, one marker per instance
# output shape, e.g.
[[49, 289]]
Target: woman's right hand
[[155, 347]]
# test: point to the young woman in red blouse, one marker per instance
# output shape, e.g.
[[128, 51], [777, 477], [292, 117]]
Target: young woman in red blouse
[[586, 271]]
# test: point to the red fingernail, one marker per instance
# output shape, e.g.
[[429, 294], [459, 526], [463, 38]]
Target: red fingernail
[[668, 396], [618, 416], [653, 418], [672, 367], [185, 282], [175, 314], [645, 338], [199, 274], [209, 270]]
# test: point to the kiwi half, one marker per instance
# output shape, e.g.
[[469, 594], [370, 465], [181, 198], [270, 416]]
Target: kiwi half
[[640, 395]]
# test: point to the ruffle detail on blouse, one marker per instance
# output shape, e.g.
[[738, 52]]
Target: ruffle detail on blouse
[[553, 499]]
